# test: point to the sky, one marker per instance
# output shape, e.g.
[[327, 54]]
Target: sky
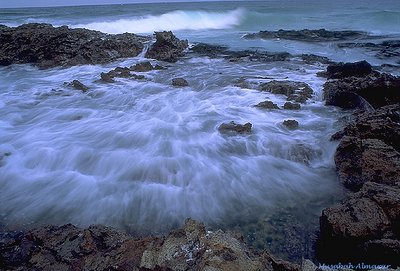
[[52, 3]]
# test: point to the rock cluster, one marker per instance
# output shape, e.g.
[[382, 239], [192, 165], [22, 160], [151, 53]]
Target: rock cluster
[[47, 46], [233, 127], [167, 47], [101, 248], [298, 92]]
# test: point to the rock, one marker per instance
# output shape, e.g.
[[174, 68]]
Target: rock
[[389, 49], [295, 91], [378, 89], [364, 227], [76, 84], [47, 46], [101, 248], [319, 35], [267, 105], [167, 47], [291, 124], [142, 67], [312, 59], [291, 106], [232, 127], [369, 150], [121, 72], [248, 55], [343, 70], [209, 50], [179, 82]]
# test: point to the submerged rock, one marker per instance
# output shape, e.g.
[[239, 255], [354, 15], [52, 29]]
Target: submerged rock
[[291, 124], [308, 35], [295, 91], [233, 127], [180, 82], [291, 106], [267, 105], [167, 47], [76, 84], [121, 72], [101, 248], [209, 50], [47, 46], [142, 67], [388, 49]]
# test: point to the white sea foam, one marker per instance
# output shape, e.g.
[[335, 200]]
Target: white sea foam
[[175, 20]]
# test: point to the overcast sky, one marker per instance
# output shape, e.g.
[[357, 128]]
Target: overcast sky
[[48, 3]]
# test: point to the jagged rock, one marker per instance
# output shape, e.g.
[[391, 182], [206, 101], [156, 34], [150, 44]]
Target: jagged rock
[[291, 106], [267, 105], [308, 35], [76, 84], [167, 47], [233, 127], [102, 248], [121, 72], [375, 89], [364, 224], [209, 50], [179, 82], [343, 70], [291, 124], [47, 46], [295, 91], [142, 67]]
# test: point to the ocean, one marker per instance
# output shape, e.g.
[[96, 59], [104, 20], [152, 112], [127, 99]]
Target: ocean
[[143, 155]]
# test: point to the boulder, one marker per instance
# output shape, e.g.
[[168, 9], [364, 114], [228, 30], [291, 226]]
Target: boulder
[[295, 91], [47, 46], [180, 82], [76, 84], [267, 105], [167, 47], [232, 127], [291, 106], [374, 89], [121, 72], [343, 70], [142, 67], [291, 124]]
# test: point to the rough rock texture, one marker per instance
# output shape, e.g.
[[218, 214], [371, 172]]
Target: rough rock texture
[[142, 67], [291, 124], [76, 84], [48, 46], [180, 82], [307, 35], [167, 47], [232, 127], [298, 92], [121, 72], [359, 88], [101, 248], [364, 228], [291, 106], [267, 105]]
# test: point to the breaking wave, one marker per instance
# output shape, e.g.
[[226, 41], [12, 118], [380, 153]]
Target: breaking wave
[[176, 20]]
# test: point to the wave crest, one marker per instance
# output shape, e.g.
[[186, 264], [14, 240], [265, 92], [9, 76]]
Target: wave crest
[[175, 20]]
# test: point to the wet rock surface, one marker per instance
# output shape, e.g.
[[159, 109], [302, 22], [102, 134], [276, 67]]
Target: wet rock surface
[[167, 47], [298, 92], [47, 46], [235, 128], [101, 248], [119, 72], [318, 35], [180, 82], [291, 124], [76, 84], [360, 88], [267, 105], [388, 49]]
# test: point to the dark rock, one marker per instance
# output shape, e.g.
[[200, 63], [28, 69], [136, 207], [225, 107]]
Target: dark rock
[[295, 91], [343, 70], [48, 46], [179, 82], [291, 124], [233, 127], [378, 89], [267, 105], [209, 49], [119, 72], [167, 47], [364, 227], [76, 84], [248, 55], [291, 106], [307, 35], [142, 67], [312, 59], [107, 77], [389, 49], [101, 248]]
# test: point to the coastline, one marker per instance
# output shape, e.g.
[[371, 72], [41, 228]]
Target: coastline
[[377, 192]]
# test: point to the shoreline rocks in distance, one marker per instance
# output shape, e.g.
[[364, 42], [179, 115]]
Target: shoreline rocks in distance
[[47, 46]]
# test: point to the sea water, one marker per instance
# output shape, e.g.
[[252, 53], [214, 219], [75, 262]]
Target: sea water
[[144, 155]]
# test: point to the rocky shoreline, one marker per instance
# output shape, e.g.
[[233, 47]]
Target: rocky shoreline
[[362, 228]]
